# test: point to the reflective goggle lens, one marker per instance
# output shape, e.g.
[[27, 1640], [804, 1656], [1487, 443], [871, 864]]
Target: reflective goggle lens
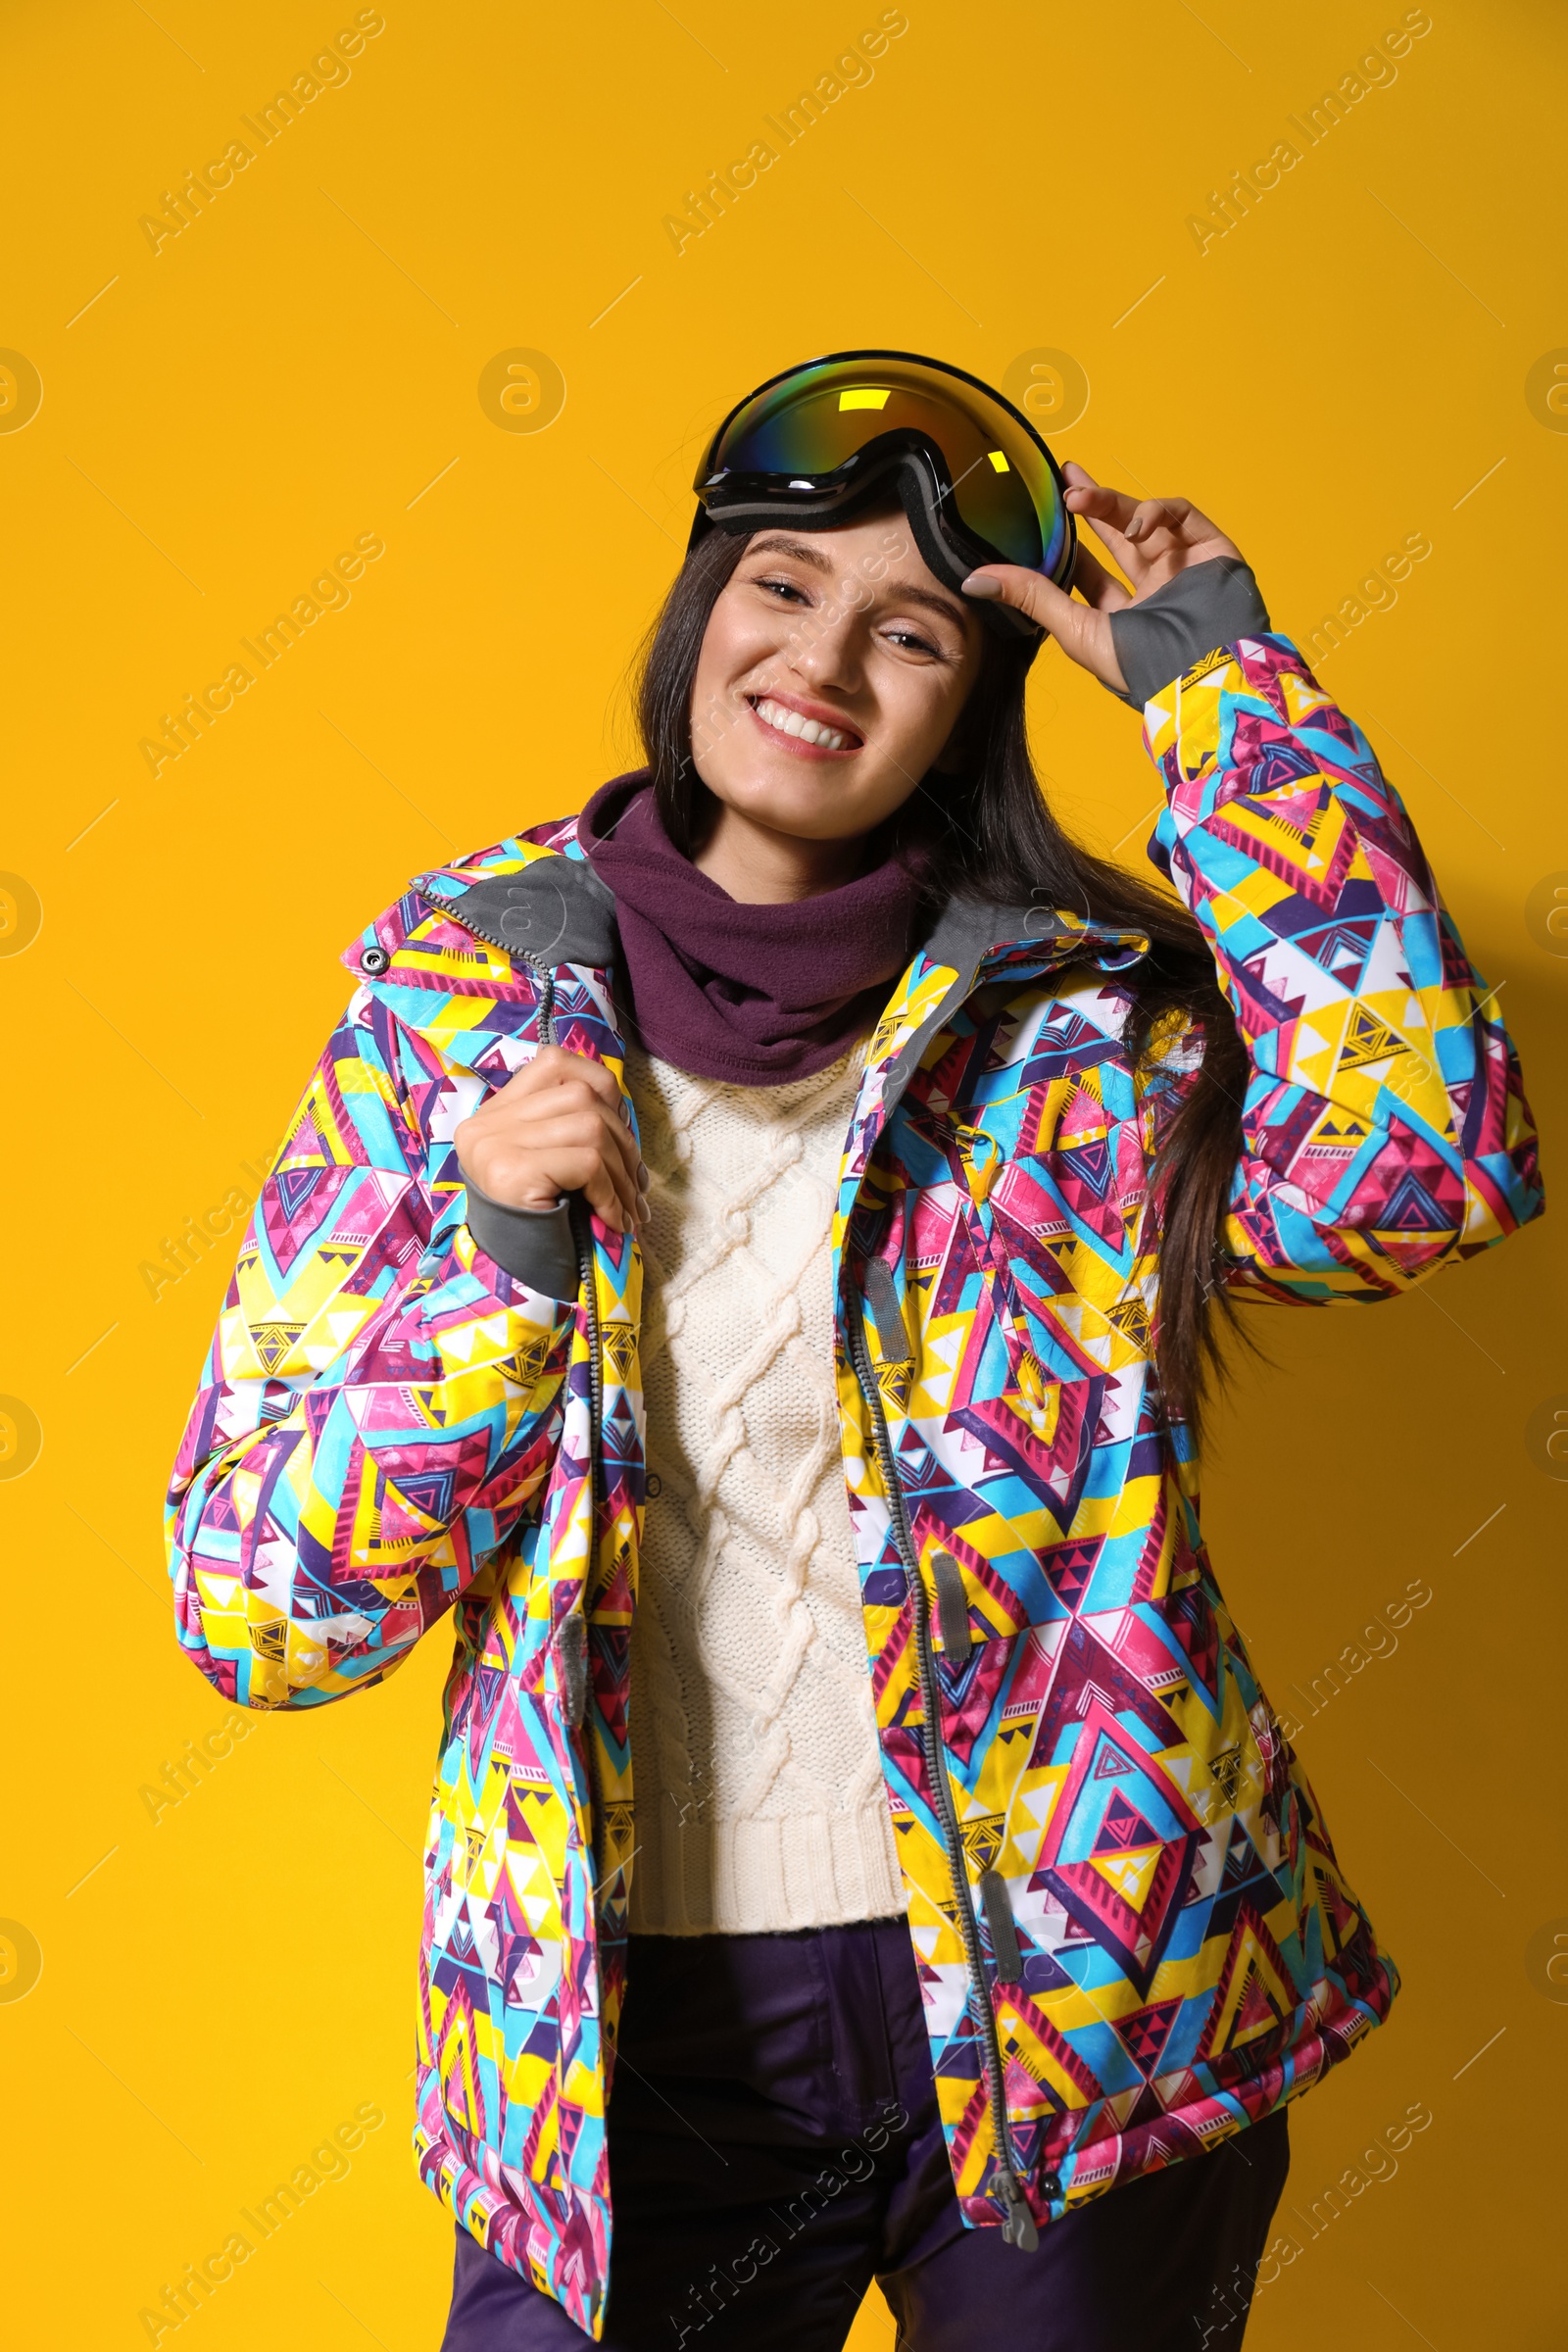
[[817, 418]]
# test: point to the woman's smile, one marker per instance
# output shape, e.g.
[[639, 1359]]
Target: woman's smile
[[807, 627], [807, 729]]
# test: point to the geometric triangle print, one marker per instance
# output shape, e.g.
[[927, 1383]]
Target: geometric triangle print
[[1124, 1828], [429, 1490], [1255, 2011], [487, 1682], [295, 1187], [983, 1840], [1132, 1320], [1242, 1862], [302, 1205], [1304, 836], [1145, 2033], [571, 2119], [1256, 1993], [458, 2060], [1132, 1907], [273, 1342], [1070, 1567], [1412, 1208], [1190, 1619], [1342, 948], [1368, 1039], [1342, 1128], [1083, 1178], [1134, 1936], [1087, 1166], [1129, 1874]]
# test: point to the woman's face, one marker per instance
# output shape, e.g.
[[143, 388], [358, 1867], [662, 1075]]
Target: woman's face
[[831, 677]]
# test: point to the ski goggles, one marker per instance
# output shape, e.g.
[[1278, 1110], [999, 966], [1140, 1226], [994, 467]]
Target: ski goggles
[[974, 476]]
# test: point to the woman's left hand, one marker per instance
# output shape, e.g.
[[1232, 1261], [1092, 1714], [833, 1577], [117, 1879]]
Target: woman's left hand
[[1152, 539]]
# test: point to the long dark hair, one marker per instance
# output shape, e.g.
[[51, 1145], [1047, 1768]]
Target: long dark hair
[[990, 833]]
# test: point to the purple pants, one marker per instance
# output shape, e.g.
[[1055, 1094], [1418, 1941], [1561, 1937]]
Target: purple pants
[[775, 2146]]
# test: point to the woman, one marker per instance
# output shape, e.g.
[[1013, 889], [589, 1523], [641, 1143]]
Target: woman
[[809, 1140]]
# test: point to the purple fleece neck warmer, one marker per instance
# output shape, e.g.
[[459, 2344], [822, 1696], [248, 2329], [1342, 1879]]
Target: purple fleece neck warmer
[[756, 995]]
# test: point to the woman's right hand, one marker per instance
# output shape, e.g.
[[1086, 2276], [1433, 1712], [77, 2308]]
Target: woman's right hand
[[558, 1126]]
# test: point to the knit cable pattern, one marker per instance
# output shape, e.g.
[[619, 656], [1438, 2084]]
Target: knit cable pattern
[[755, 1752]]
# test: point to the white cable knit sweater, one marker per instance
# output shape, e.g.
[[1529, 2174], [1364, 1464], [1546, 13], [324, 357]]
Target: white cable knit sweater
[[760, 1802]]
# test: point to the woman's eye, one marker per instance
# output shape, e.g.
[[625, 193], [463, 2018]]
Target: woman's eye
[[914, 640], [783, 588]]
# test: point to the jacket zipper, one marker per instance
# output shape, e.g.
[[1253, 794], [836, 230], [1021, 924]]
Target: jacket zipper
[[1018, 2230], [582, 1235]]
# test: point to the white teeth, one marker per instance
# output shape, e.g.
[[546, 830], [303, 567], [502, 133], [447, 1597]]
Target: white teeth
[[790, 722]]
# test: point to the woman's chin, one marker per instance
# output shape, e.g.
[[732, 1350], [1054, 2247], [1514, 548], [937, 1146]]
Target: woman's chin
[[811, 807]]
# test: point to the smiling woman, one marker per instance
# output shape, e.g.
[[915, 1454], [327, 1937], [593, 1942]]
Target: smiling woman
[[889, 662], [752, 1249]]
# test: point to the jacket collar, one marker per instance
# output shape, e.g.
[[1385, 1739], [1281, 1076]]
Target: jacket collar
[[976, 939], [551, 907]]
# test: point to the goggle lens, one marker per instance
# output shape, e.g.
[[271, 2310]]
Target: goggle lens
[[816, 418]]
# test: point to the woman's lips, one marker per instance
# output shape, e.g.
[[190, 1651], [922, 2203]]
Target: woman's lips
[[798, 731]]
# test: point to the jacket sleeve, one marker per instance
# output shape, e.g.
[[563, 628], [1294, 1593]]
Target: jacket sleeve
[[1385, 1128], [381, 1403]]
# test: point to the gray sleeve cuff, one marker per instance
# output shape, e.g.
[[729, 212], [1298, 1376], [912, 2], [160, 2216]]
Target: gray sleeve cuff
[[1211, 604], [535, 1245]]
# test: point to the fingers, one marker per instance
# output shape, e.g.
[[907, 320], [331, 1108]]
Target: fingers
[[1152, 540], [550, 1066], [583, 1149], [1096, 502], [1153, 515], [1094, 499], [1105, 512], [1094, 584], [1026, 591], [1141, 533], [567, 1084], [560, 1124], [1081, 630]]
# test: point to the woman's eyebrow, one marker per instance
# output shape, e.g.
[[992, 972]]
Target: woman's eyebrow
[[932, 597], [777, 542]]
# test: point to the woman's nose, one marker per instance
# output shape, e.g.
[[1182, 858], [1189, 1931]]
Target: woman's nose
[[829, 653]]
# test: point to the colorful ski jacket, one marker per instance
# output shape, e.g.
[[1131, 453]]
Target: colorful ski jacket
[[1130, 1924]]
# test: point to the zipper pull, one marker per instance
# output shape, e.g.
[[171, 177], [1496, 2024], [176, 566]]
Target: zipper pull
[[572, 1666], [1018, 2230]]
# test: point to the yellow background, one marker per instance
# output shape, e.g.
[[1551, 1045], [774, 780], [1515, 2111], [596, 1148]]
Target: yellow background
[[222, 1986]]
